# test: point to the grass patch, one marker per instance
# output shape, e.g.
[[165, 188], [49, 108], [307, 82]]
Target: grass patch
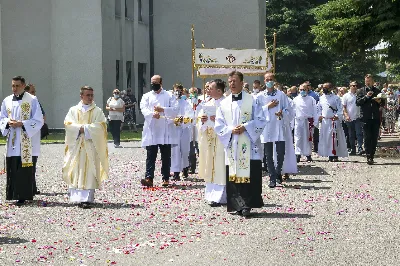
[[60, 137]]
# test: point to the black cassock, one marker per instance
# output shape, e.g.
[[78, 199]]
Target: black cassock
[[245, 195], [21, 183]]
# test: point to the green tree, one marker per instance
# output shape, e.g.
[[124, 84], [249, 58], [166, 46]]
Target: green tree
[[352, 28], [298, 58]]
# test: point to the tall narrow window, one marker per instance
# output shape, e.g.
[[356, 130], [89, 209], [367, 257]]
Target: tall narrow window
[[128, 74], [126, 9], [117, 73], [118, 8], [142, 76], [140, 11]]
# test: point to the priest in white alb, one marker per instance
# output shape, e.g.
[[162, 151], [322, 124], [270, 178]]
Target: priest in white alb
[[239, 123], [21, 119], [332, 141], [306, 119], [86, 153], [212, 155]]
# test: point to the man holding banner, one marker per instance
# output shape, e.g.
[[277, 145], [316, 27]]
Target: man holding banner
[[239, 123]]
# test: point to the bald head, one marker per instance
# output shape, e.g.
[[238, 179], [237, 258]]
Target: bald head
[[156, 83], [156, 79]]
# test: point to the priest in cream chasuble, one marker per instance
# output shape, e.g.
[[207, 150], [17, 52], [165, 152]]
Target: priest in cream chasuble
[[86, 153], [239, 123], [212, 155], [20, 121]]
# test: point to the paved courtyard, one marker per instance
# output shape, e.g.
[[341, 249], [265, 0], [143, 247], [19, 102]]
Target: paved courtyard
[[345, 213]]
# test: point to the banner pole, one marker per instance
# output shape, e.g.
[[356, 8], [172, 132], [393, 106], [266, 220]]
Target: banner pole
[[274, 53], [193, 55]]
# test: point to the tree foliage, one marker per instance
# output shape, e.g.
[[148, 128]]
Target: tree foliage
[[298, 58], [353, 26]]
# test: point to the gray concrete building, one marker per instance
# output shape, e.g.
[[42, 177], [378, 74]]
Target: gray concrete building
[[61, 45]]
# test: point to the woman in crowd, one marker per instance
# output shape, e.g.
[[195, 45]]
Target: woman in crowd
[[116, 107]]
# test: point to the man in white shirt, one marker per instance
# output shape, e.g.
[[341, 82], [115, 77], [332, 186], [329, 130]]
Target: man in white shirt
[[159, 109], [352, 117]]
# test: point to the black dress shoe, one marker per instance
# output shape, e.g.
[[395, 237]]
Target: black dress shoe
[[330, 158], [370, 161], [176, 177], [246, 212], [309, 159], [272, 184], [335, 159], [186, 172], [37, 192], [214, 204], [85, 205], [20, 202], [238, 213]]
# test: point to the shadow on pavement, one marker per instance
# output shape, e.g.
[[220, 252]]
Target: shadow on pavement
[[272, 205], [306, 187], [311, 170], [311, 181], [96, 205], [187, 187], [280, 215], [12, 240], [53, 194]]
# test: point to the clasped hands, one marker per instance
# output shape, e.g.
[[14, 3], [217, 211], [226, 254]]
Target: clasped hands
[[334, 118], [238, 130], [204, 118], [15, 123], [157, 111]]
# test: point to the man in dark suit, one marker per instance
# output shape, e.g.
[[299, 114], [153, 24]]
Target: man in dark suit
[[369, 115]]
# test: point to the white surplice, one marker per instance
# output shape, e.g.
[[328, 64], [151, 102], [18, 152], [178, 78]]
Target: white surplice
[[305, 108], [162, 130], [331, 134], [212, 157], [275, 128], [254, 127], [32, 126], [180, 151]]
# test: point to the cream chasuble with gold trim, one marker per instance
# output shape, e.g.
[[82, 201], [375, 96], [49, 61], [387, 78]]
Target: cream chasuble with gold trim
[[86, 154], [212, 155]]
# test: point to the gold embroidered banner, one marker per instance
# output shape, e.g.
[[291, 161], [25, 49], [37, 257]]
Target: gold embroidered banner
[[220, 62], [224, 58]]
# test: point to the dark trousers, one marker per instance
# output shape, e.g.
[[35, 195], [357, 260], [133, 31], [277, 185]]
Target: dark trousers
[[346, 134], [165, 158], [115, 129], [280, 156], [192, 155], [316, 139], [371, 134], [355, 131]]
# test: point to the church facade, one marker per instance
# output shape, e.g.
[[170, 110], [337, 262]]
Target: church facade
[[62, 45]]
